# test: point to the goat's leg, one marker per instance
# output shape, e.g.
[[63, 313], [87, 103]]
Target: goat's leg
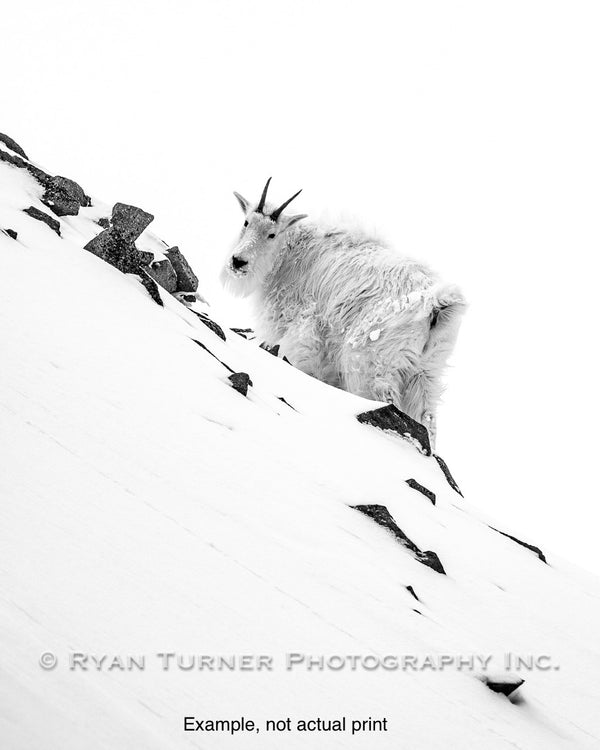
[[420, 395], [413, 393], [304, 347], [363, 374], [430, 422], [380, 369], [423, 389]]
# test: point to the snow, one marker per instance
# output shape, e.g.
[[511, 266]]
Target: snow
[[147, 507]]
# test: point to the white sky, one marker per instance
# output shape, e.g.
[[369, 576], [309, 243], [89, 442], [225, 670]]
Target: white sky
[[466, 132]]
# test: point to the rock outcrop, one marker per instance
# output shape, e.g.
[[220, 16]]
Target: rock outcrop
[[449, 478], [64, 197], [162, 272], [186, 279], [505, 685], [422, 489], [274, 350], [530, 547], [390, 418], [116, 243], [241, 382], [209, 323], [35, 213], [381, 515], [12, 145]]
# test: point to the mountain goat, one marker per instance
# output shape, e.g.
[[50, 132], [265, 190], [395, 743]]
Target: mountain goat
[[345, 308]]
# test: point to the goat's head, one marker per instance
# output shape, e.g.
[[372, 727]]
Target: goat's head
[[261, 238]]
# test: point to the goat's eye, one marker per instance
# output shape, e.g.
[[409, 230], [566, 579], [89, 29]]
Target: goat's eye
[[271, 236], [245, 223]]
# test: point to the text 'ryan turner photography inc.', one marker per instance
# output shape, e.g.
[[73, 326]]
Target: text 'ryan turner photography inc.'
[[170, 660]]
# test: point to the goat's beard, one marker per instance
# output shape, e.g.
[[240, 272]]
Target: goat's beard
[[238, 284]]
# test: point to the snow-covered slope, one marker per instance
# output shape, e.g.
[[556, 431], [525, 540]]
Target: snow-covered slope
[[147, 506]]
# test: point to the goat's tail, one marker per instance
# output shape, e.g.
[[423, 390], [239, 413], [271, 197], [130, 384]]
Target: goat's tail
[[441, 312], [447, 308]]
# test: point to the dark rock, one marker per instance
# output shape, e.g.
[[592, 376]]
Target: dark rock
[[503, 686], [11, 233], [245, 333], [64, 197], [116, 245], [274, 350], [381, 515], [286, 360], [138, 257], [449, 477], [187, 281], [412, 591], [13, 145], [419, 487], [240, 381], [15, 161], [281, 398], [106, 246], [187, 298], [35, 213], [119, 252], [206, 349], [129, 221], [151, 287], [214, 327], [103, 222], [530, 547], [432, 561], [389, 417], [163, 273]]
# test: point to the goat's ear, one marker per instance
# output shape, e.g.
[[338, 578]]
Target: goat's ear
[[289, 220], [242, 201]]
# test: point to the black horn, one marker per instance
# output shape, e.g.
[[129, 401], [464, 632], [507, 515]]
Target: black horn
[[277, 213], [263, 197]]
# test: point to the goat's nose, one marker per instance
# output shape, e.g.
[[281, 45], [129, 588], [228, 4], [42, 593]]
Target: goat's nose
[[237, 262]]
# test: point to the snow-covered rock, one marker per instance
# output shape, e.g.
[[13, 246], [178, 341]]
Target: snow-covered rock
[[148, 508]]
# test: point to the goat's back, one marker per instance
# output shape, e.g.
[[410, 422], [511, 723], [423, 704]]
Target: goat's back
[[338, 273]]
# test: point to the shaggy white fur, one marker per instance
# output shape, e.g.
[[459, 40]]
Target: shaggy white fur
[[347, 309]]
